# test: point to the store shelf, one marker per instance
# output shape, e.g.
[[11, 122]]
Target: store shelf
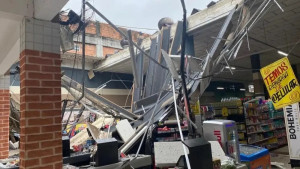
[[228, 107], [266, 124], [260, 132], [280, 136], [171, 131], [242, 131], [275, 118], [253, 124], [252, 116], [262, 140]]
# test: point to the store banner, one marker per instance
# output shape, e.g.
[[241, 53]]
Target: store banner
[[292, 122], [281, 83]]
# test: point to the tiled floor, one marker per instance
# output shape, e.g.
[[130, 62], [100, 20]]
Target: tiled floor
[[281, 156]]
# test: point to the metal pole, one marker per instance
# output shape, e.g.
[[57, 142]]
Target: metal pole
[[83, 48], [182, 72], [83, 54]]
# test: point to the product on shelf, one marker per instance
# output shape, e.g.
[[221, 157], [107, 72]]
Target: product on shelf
[[264, 125]]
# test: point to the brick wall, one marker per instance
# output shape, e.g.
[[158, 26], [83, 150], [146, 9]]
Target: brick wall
[[109, 50], [4, 123], [91, 28], [108, 31], [40, 121]]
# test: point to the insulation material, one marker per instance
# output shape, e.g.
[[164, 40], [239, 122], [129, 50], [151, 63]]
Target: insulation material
[[81, 137], [125, 130], [167, 153]]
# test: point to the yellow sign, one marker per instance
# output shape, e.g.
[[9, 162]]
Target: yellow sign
[[281, 83]]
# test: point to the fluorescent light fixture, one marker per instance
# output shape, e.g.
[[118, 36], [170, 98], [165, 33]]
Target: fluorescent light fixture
[[241, 89], [220, 88], [282, 53], [232, 68]]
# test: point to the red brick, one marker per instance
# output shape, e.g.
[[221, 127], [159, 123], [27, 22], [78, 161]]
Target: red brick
[[44, 167], [58, 150], [23, 106], [58, 165], [22, 76], [58, 105], [57, 120], [57, 76], [4, 123], [31, 113], [30, 67], [51, 128], [38, 60], [52, 69], [57, 91], [35, 106], [51, 83], [57, 135], [30, 98], [50, 55], [31, 90], [40, 76], [31, 162], [51, 159], [22, 61], [29, 83], [40, 121], [51, 113], [38, 70], [57, 62], [40, 137], [52, 143], [31, 130], [40, 153], [30, 146]]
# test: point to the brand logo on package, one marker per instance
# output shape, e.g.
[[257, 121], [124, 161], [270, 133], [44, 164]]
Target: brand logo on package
[[217, 133], [292, 122], [281, 83]]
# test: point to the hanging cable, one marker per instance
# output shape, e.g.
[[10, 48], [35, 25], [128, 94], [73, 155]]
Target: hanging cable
[[179, 127]]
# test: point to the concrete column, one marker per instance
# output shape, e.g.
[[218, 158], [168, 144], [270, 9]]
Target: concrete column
[[257, 79], [4, 116], [40, 95]]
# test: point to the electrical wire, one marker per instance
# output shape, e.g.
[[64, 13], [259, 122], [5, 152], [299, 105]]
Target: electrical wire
[[179, 127]]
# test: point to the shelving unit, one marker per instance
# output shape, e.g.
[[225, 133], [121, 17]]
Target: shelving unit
[[169, 132], [264, 125], [232, 110], [257, 123]]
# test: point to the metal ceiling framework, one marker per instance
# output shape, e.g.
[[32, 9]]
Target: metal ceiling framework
[[157, 96], [275, 29]]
